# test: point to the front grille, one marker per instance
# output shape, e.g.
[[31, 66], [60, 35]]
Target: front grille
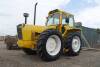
[[19, 31]]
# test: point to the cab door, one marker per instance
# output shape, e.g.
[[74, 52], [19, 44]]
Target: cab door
[[67, 23]]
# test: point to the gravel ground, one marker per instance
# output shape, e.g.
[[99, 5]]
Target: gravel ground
[[17, 58]]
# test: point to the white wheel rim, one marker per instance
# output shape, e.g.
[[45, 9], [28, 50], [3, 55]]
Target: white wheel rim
[[76, 44], [53, 45]]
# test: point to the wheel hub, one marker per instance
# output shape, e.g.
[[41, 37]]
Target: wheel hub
[[76, 44], [53, 45]]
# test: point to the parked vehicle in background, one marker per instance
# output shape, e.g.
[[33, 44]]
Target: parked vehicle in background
[[11, 42]]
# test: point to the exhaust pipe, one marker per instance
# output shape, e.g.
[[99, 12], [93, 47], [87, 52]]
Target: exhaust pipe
[[35, 13]]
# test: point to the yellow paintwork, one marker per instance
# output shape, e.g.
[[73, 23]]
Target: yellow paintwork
[[63, 12], [28, 30], [30, 33], [51, 27], [69, 29], [26, 43]]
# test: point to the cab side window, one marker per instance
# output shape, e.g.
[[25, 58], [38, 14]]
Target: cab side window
[[71, 21], [64, 20]]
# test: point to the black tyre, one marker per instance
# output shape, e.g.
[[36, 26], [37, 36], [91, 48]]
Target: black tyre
[[73, 43], [29, 51], [50, 45]]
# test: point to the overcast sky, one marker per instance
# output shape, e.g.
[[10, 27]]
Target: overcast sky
[[11, 12]]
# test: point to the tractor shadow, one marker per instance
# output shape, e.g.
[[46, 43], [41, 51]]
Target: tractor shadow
[[37, 59]]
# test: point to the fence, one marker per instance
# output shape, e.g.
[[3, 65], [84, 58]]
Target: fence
[[91, 36]]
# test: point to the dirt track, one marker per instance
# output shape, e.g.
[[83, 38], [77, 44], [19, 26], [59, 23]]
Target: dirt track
[[17, 58]]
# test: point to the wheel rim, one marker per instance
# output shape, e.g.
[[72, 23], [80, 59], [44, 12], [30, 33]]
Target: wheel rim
[[76, 44], [53, 45]]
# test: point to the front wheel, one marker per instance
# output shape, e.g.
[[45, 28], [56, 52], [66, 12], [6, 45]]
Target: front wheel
[[50, 45]]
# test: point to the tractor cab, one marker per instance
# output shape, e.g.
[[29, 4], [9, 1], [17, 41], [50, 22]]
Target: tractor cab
[[60, 19], [57, 17]]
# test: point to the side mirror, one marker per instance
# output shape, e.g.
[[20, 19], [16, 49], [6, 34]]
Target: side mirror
[[67, 20]]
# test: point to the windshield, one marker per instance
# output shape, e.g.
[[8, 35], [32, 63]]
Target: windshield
[[53, 19]]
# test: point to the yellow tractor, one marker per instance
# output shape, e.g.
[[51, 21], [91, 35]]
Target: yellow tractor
[[58, 36]]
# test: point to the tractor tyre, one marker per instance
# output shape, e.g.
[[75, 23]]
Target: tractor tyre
[[29, 51], [73, 44], [50, 45]]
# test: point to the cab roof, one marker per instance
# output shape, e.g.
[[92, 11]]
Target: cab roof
[[60, 11]]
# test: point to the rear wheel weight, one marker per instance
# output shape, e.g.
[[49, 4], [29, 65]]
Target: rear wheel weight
[[50, 45]]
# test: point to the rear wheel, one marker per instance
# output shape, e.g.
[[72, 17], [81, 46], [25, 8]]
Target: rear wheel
[[50, 45], [74, 44], [29, 51]]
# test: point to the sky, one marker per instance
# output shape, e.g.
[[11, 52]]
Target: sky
[[11, 12]]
